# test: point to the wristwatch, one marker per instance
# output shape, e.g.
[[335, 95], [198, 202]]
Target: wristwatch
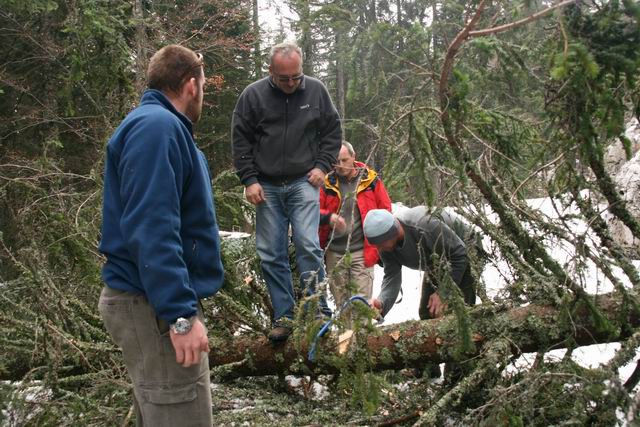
[[182, 325]]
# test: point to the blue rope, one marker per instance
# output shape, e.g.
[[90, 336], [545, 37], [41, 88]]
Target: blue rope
[[325, 328]]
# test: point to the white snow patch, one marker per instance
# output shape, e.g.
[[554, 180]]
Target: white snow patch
[[33, 393], [233, 235], [318, 391]]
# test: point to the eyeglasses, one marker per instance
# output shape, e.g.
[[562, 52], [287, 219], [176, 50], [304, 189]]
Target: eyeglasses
[[285, 79], [199, 63]]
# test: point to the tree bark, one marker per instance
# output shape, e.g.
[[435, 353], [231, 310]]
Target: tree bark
[[340, 74], [305, 36], [257, 57], [414, 343], [141, 43]]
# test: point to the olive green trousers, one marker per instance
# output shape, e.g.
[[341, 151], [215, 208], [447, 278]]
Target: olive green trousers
[[165, 393]]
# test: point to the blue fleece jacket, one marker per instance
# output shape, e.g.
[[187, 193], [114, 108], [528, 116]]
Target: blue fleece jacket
[[159, 230]]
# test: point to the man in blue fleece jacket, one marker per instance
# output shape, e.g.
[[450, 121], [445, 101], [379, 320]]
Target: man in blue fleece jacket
[[160, 239]]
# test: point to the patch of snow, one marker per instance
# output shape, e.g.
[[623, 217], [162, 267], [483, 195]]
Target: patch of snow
[[628, 182], [318, 391], [33, 393], [233, 235], [242, 405], [626, 175], [615, 155]]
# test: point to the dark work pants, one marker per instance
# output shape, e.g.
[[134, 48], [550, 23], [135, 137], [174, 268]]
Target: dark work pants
[[467, 287], [453, 371]]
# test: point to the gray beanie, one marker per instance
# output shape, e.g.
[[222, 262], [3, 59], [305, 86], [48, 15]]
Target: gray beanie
[[379, 226]]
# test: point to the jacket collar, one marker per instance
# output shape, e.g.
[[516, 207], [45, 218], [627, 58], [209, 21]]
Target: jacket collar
[[153, 96], [367, 176]]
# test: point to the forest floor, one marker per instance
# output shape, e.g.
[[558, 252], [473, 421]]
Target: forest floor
[[293, 401]]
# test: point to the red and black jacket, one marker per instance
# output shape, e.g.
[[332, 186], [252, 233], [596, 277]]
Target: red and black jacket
[[371, 194]]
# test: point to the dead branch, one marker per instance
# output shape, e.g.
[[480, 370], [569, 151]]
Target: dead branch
[[521, 22]]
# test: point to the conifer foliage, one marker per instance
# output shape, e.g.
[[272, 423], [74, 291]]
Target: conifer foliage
[[478, 106]]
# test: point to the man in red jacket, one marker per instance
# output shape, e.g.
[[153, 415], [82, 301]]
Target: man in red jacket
[[349, 192]]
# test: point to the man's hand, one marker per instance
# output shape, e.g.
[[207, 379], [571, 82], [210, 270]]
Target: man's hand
[[254, 193], [315, 177], [189, 347], [436, 306], [376, 304], [338, 224]]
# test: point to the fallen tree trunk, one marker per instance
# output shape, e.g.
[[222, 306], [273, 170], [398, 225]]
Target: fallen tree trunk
[[414, 343]]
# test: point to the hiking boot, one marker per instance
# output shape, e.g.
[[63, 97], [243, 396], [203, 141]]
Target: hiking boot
[[431, 370], [434, 371], [279, 333]]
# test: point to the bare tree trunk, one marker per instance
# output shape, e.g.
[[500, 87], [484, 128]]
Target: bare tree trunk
[[414, 343], [340, 81], [257, 57], [434, 36], [141, 42], [372, 15], [305, 41]]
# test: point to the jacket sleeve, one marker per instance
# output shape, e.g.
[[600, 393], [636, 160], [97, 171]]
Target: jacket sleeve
[[243, 140], [442, 241], [325, 214], [391, 282], [330, 138], [152, 169]]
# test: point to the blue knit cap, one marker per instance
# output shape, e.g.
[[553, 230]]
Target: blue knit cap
[[379, 226]]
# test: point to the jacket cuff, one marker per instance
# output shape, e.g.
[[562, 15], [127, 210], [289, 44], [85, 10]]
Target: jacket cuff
[[186, 316], [384, 310], [251, 180], [322, 167], [325, 218]]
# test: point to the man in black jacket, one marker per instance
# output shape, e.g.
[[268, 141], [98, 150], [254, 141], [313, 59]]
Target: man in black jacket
[[424, 240], [286, 135], [411, 238]]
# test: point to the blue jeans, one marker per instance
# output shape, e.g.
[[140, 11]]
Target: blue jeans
[[296, 203]]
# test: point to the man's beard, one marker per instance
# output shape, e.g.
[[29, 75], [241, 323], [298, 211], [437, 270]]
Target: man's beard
[[194, 109]]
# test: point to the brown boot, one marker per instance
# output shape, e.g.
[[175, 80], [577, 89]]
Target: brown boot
[[279, 333]]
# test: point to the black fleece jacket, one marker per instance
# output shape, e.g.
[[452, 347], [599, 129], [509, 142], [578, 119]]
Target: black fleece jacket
[[276, 136]]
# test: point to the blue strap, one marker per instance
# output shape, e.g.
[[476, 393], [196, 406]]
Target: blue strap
[[325, 328]]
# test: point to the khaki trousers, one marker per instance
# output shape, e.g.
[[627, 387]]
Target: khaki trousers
[[165, 393], [345, 282]]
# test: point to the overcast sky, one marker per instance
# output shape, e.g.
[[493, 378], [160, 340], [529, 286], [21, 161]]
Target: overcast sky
[[270, 13]]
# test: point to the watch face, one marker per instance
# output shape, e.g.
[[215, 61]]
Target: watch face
[[182, 326]]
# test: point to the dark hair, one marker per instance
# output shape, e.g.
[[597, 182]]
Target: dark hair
[[171, 66]]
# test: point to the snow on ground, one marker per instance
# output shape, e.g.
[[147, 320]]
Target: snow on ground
[[495, 278], [233, 234], [33, 393]]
